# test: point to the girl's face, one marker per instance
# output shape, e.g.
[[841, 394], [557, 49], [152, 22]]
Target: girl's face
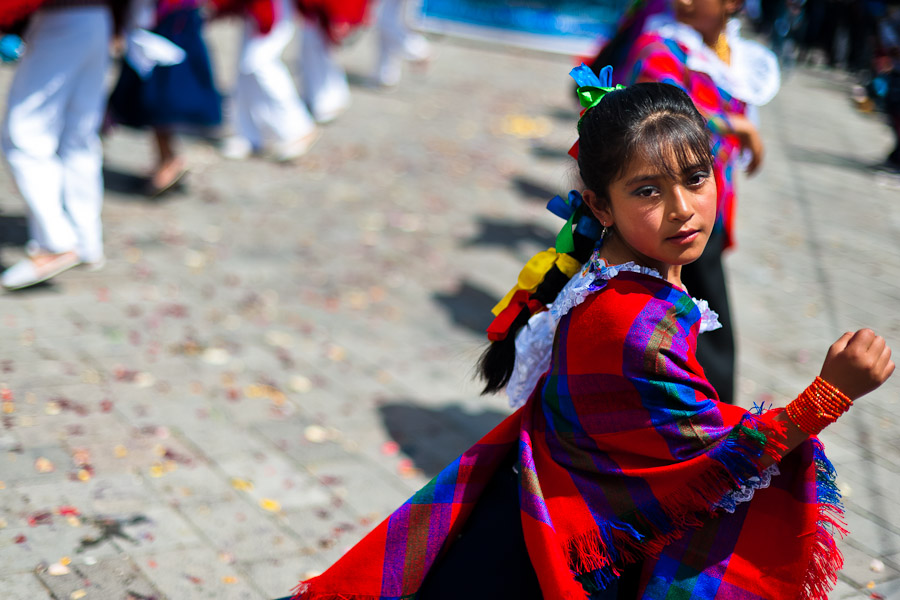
[[659, 221]]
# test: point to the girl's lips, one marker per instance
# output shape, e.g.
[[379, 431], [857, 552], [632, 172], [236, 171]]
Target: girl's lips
[[685, 237]]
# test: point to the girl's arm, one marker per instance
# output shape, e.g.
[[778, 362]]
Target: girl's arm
[[856, 364]]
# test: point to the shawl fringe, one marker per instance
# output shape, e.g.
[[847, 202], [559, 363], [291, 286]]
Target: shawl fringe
[[826, 558], [596, 556]]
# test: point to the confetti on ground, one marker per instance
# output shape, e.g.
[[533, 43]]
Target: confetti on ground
[[336, 353], [216, 356], [300, 384], [241, 484], [315, 434], [58, 569], [270, 505], [77, 595], [229, 579], [390, 448], [40, 518]]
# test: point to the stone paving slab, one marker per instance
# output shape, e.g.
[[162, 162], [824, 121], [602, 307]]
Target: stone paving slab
[[277, 356]]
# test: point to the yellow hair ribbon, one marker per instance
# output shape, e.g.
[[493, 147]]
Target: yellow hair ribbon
[[534, 271]]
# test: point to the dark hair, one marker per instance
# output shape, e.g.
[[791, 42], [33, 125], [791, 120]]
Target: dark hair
[[654, 121]]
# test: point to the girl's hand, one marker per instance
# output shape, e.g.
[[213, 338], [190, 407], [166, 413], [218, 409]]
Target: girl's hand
[[750, 140], [858, 363]]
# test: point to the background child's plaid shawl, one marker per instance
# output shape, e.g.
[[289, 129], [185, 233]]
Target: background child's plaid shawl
[[624, 455]]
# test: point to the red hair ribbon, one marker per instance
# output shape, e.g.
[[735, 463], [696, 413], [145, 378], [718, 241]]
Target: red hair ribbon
[[499, 327]]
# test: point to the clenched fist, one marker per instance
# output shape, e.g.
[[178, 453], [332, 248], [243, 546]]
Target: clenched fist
[[858, 363]]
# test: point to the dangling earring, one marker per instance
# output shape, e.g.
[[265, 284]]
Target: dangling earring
[[603, 232]]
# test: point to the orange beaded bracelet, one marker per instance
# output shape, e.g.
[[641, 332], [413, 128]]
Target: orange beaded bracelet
[[817, 406]]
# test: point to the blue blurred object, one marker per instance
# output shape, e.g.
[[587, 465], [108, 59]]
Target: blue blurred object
[[11, 48]]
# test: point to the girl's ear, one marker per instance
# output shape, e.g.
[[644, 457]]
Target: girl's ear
[[599, 206]]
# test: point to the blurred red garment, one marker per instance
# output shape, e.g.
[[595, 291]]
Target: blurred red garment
[[336, 17], [262, 11], [13, 11]]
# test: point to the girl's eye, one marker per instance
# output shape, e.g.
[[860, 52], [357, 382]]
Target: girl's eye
[[698, 178], [646, 191]]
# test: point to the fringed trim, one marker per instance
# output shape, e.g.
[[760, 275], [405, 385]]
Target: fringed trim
[[826, 559], [303, 592], [596, 557]]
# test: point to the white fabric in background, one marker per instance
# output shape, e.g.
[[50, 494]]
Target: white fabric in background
[[50, 133], [146, 50], [753, 76], [267, 106], [325, 86]]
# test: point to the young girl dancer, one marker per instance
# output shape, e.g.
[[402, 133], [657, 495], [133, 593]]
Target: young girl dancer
[[621, 475], [698, 47]]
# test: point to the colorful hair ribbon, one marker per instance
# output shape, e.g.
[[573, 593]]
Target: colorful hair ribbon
[[591, 88], [534, 271], [572, 209], [500, 326], [590, 91]]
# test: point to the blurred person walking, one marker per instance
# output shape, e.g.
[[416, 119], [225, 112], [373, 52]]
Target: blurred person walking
[[396, 43], [266, 106], [166, 82], [50, 134], [326, 23], [696, 45]]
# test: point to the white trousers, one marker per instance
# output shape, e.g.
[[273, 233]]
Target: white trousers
[[396, 42], [266, 103], [50, 135], [325, 86]]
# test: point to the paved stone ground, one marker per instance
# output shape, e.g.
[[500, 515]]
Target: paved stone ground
[[279, 355]]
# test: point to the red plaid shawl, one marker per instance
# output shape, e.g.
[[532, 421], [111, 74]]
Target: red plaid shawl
[[625, 455]]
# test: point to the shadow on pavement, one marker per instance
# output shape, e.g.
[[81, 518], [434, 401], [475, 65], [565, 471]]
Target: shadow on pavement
[[532, 190], [511, 235], [434, 437], [123, 183], [469, 306], [13, 230], [549, 153]]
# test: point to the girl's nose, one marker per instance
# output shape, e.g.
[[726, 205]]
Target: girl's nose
[[681, 208]]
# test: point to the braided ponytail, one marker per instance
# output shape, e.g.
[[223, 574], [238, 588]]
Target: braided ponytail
[[496, 364]]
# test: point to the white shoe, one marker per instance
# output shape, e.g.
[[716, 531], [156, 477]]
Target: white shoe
[[92, 266], [236, 148], [26, 272], [329, 107], [287, 151]]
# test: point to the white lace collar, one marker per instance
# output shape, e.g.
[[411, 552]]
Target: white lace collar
[[583, 284], [752, 77], [534, 342]]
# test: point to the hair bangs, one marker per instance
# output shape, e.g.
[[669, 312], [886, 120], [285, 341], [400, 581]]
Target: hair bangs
[[671, 143]]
